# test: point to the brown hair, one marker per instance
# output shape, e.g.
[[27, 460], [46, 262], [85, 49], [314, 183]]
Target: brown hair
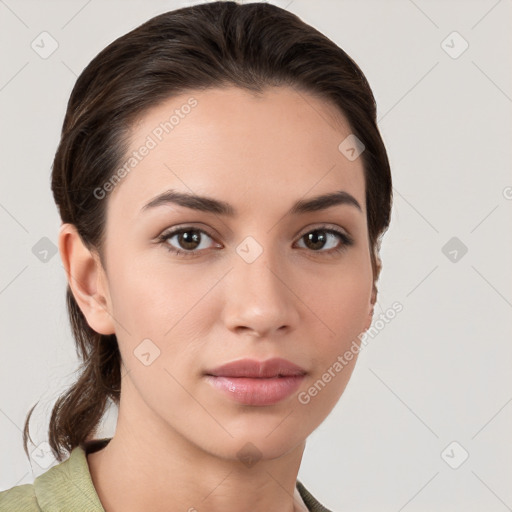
[[251, 46]]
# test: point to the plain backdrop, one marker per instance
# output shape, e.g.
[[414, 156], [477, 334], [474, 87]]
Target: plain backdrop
[[425, 421]]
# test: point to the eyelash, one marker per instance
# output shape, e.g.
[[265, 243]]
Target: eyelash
[[346, 241]]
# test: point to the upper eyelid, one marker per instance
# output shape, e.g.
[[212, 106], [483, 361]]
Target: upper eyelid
[[326, 226], [174, 231]]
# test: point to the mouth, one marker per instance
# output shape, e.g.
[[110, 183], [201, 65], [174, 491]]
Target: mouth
[[251, 382]]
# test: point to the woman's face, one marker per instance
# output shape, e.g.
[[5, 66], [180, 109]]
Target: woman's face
[[258, 281]]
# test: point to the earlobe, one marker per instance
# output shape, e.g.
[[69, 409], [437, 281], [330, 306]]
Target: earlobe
[[86, 279]]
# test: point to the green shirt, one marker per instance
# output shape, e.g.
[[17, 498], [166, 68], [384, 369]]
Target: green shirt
[[68, 487]]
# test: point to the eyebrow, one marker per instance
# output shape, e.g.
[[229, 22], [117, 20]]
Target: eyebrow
[[211, 205]]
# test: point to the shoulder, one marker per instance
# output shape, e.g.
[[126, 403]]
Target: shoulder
[[65, 486], [21, 498]]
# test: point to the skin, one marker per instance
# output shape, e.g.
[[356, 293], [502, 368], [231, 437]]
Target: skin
[[176, 443]]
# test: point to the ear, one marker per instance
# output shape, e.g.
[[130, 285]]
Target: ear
[[87, 280], [373, 298]]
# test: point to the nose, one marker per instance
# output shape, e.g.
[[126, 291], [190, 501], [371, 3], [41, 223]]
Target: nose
[[259, 296]]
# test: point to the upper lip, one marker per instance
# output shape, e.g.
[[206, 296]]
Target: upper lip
[[257, 369]]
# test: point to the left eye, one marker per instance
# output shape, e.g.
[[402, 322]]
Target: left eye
[[320, 236]]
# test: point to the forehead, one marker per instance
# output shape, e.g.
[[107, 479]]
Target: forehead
[[235, 145]]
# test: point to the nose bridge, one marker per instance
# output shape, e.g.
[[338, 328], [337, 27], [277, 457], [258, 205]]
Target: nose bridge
[[260, 299], [257, 262]]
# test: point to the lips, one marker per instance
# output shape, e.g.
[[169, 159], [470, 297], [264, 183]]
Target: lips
[[276, 367], [256, 383]]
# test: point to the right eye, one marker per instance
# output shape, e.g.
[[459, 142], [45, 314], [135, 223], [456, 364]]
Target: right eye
[[189, 240]]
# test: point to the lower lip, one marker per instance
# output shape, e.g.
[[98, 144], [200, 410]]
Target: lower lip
[[252, 391]]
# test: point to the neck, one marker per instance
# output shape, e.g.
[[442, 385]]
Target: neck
[[149, 466]]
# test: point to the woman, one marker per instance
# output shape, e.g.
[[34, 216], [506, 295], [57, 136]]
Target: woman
[[223, 189]]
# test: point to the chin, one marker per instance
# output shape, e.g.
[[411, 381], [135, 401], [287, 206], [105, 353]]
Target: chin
[[260, 440]]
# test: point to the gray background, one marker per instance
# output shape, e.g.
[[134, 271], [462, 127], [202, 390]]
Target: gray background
[[440, 371]]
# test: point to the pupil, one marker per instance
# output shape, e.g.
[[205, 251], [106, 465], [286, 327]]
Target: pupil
[[315, 238], [189, 239]]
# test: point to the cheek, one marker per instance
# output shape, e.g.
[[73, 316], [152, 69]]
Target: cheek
[[342, 312], [137, 302], [144, 288], [341, 305], [162, 303], [341, 296]]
